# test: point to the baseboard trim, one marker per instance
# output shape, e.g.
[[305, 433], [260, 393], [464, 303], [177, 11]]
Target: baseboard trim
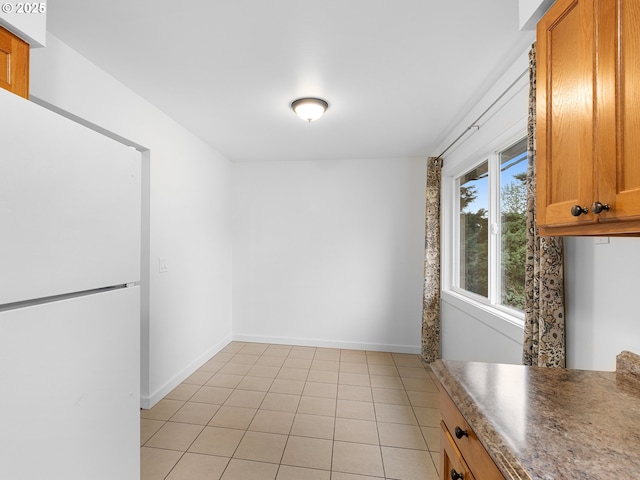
[[313, 342], [147, 402]]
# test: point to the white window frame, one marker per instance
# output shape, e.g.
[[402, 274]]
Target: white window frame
[[486, 309]]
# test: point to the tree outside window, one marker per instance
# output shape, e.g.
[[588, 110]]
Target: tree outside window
[[479, 226], [513, 222]]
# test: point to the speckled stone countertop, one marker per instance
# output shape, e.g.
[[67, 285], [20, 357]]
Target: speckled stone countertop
[[551, 424]]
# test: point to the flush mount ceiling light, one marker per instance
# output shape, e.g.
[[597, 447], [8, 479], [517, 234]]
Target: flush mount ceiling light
[[309, 109]]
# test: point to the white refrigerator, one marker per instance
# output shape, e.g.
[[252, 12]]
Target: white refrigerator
[[69, 299]]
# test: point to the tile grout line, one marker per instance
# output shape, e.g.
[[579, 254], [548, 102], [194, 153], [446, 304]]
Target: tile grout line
[[343, 359], [290, 428], [375, 414]]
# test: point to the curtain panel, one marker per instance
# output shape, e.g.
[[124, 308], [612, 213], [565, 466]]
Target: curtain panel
[[544, 326], [431, 292]]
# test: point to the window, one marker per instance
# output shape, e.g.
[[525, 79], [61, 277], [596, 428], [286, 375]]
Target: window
[[513, 222], [474, 230], [491, 228]]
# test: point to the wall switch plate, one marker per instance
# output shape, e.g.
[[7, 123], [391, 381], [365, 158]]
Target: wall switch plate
[[601, 241], [163, 265]]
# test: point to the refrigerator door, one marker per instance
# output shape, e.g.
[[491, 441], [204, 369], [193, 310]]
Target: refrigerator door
[[69, 407], [69, 205]]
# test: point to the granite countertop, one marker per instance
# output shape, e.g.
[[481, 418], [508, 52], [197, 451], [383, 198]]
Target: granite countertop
[[551, 424]]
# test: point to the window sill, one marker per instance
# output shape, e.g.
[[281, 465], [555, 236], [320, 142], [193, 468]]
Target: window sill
[[494, 318]]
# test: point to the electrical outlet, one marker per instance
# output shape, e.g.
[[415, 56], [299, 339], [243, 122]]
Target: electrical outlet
[[163, 265], [601, 241]]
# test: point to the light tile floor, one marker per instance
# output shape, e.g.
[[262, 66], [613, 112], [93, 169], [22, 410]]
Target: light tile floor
[[276, 412]]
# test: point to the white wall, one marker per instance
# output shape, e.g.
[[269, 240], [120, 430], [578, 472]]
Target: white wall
[[477, 335], [531, 11], [602, 295], [329, 253], [186, 312]]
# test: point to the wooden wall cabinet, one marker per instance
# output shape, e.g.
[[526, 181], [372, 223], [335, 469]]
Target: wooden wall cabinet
[[588, 118], [462, 456], [14, 63]]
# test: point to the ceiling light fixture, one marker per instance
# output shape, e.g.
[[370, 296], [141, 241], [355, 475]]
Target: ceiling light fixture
[[309, 109]]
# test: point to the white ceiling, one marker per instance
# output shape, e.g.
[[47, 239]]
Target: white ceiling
[[397, 74]]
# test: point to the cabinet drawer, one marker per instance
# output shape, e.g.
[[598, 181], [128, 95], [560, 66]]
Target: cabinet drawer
[[451, 462], [469, 446]]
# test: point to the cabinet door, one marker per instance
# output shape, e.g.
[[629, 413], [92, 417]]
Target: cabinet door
[[14, 63], [619, 109], [565, 112]]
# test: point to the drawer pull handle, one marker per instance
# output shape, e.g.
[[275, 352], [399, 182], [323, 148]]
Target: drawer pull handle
[[455, 475], [577, 210], [597, 207], [461, 433]]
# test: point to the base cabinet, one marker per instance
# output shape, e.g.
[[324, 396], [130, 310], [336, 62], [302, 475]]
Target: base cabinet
[[462, 456], [452, 465]]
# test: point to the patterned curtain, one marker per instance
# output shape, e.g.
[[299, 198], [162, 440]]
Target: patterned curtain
[[431, 293], [544, 330]]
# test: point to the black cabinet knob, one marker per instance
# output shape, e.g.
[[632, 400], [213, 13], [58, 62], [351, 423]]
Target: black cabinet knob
[[577, 210], [460, 433], [597, 207], [455, 475]]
